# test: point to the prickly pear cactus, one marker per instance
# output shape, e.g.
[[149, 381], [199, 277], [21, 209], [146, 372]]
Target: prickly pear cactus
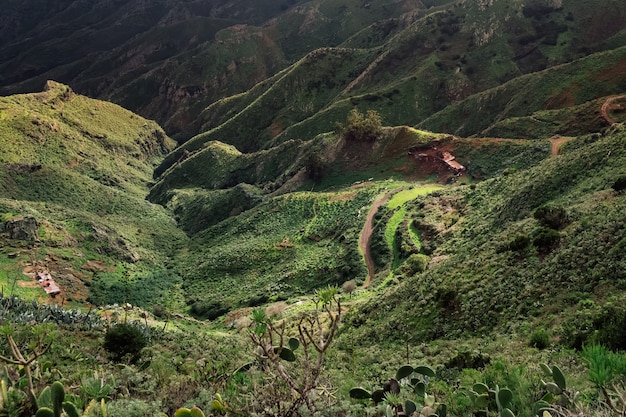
[[57, 392], [186, 412], [44, 412]]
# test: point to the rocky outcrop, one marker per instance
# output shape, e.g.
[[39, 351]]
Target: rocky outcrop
[[22, 228]]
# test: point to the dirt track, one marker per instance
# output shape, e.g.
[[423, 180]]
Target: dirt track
[[604, 110], [366, 236], [557, 141]]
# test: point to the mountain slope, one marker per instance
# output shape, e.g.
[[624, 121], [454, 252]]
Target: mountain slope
[[499, 265], [422, 63], [564, 86], [81, 168], [169, 60]]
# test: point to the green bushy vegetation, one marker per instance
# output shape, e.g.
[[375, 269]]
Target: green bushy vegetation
[[529, 93], [124, 340], [486, 282], [286, 246], [361, 127], [81, 168], [579, 257]]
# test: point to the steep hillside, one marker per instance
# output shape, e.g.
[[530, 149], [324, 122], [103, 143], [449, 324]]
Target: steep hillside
[[482, 255], [257, 235], [508, 253], [168, 59], [562, 87], [80, 168], [411, 70]]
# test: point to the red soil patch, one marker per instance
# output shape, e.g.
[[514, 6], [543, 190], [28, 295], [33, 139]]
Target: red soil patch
[[97, 266], [429, 162], [562, 100], [275, 129], [361, 184], [27, 284], [71, 282], [234, 315], [344, 196], [617, 72]]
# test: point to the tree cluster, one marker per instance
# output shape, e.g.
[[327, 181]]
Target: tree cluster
[[361, 127]]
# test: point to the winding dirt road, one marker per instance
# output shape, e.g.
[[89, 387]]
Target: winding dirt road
[[604, 110], [366, 236], [557, 141]]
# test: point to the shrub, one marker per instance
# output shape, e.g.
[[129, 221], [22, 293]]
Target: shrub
[[361, 127], [348, 287], [315, 167], [133, 408], [604, 325], [552, 217], [159, 311], [466, 359], [519, 243], [611, 328], [620, 184], [257, 300], [124, 341], [209, 309], [539, 338], [415, 263], [448, 299], [546, 238]]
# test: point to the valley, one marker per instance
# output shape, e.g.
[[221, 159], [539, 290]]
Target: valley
[[325, 208]]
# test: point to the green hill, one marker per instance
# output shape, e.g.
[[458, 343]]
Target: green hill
[[499, 265], [81, 168]]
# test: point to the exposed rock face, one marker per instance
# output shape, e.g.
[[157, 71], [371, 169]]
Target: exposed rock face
[[22, 228]]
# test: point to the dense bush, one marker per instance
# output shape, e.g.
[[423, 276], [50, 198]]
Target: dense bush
[[546, 238], [519, 243], [159, 310], [315, 167], [124, 341], [620, 184], [209, 309], [415, 263], [611, 328], [145, 289], [539, 338], [552, 217], [601, 325], [467, 359]]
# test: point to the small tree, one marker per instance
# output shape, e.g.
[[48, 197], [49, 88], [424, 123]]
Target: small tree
[[124, 341], [361, 127], [553, 217], [349, 287], [276, 351], [39, 343]]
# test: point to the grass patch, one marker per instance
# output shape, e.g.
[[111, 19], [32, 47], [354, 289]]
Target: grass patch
[[403, 196]]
